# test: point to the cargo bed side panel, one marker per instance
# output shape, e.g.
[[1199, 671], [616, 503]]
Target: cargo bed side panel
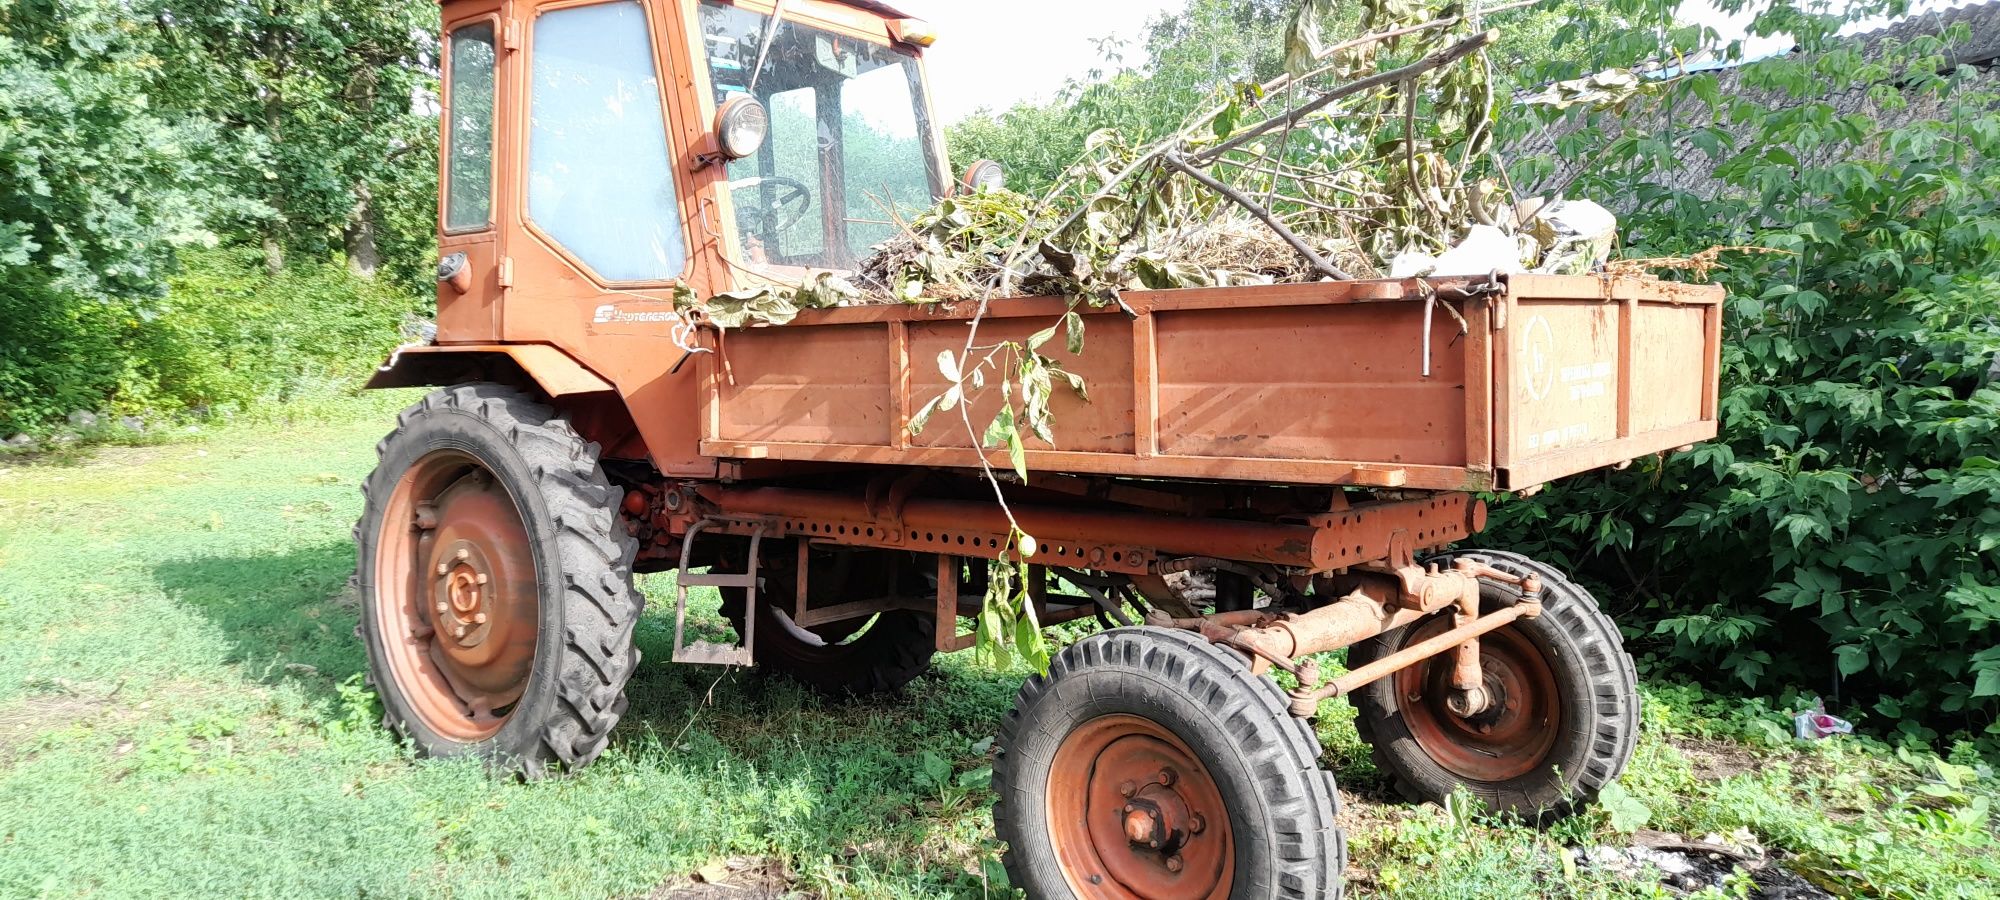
[[1312, 382], [1303, 384]]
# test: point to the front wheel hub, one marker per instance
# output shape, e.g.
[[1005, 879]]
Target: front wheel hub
[[1158, 818], [458, 600], [1134, 814]]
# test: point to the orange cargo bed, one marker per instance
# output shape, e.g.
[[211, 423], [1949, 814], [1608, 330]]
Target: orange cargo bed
[[1303, 384]]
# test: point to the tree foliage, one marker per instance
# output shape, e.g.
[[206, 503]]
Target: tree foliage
[[99, 187]]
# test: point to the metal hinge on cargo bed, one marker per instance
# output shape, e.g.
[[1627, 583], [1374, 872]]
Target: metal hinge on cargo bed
[[708, 652]]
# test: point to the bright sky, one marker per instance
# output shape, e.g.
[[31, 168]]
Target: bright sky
[[996, 54], [1704, 11]]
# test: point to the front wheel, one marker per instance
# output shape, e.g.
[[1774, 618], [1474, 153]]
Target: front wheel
[[1150, 764], [1563, 715], [496, 588]]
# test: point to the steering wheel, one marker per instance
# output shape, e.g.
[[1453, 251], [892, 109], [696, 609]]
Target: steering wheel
[[789, 204]]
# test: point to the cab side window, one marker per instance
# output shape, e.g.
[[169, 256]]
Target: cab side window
[[600, 178], [468, 196]]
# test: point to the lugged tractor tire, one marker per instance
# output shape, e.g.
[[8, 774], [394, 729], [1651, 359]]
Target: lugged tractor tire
[[1124, 716], [854, 658], [1575, 715], [516, 646]]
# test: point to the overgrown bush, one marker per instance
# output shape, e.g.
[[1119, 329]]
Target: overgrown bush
[[226, 335], [1842, 531], [97, 189]]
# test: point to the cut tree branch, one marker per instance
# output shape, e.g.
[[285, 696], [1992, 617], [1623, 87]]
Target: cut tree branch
[[1436, 60], [1263, 215]]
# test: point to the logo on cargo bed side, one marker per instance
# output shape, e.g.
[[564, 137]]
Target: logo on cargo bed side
[[1538, 351]]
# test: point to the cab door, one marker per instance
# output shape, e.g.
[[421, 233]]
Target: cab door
[[472, 276]]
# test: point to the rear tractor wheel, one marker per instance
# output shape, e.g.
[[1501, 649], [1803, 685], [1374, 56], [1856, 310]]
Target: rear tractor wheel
[[496, 588], [1563, 710], [1152, 764]]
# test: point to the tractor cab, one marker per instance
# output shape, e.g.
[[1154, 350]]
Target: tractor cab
[[847, 143], [619, 147]]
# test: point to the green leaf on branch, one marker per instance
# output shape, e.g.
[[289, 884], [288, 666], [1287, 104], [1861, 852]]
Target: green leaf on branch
[[1988, 684], [1000, 430], [1017, 454], [1850, 659], [1073, 325]]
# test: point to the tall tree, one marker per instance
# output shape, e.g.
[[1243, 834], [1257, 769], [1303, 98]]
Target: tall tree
[[324, 99]]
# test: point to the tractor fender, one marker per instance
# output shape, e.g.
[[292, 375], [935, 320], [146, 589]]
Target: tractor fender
[[550, 369]]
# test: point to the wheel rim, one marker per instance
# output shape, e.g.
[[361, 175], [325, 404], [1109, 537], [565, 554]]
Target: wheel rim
[[457, 602], [1133, 813], [1516, 732]]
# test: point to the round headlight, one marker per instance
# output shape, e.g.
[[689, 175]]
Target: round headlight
[[984, 175], [741, 126]]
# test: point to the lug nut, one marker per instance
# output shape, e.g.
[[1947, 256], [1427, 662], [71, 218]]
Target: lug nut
[[478, 618], [1167, 777], [1127, 789], [443, 607], [444, 568], [464, 553], [1173, 863], [1129, 807], [1197, 824], [461, 631], [479, 578]]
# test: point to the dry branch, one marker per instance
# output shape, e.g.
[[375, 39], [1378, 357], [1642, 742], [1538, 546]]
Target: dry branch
[[1436, 60], [1263, 215]]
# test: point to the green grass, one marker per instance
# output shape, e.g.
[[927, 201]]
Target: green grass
[[180, 714]]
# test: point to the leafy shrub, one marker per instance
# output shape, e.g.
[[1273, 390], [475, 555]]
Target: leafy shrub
[[226, 335], [98, 189], [1842, 529]]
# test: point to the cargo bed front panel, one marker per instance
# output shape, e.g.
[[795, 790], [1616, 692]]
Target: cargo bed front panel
[[826, 385], [1592, 382], [1315, 384]]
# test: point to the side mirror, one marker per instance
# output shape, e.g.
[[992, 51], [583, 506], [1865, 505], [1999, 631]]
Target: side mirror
[[452, 270], [984, 175]]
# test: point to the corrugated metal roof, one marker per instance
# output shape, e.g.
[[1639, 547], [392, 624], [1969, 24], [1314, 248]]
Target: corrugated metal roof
[[1982, 18]]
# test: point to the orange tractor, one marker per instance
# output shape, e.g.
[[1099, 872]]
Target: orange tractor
[[1268, 472]]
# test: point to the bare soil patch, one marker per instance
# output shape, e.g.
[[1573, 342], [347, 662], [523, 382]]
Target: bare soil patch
[[736, 878]]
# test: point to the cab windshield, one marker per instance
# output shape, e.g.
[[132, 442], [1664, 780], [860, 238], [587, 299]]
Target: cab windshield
[[848, 153]]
